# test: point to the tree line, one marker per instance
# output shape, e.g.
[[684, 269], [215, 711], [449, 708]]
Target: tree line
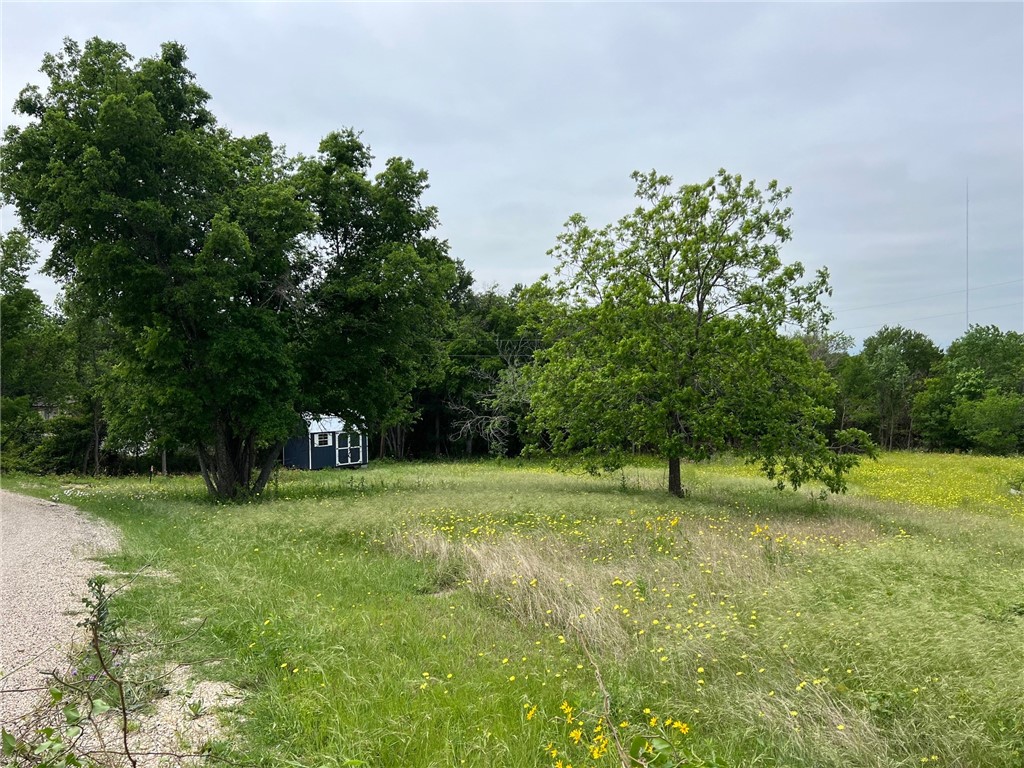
[[907, 393], [215, 289]]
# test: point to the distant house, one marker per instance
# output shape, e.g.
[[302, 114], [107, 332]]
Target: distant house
[[329, 442]]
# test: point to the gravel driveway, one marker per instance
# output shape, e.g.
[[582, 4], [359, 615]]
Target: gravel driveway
[[44, 565]]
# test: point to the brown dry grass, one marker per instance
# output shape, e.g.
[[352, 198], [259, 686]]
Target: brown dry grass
[[537, 582]]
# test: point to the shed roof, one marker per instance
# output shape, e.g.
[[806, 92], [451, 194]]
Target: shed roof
[[327, 424]]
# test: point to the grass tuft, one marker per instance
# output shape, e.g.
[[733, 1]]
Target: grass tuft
[[420, 615]]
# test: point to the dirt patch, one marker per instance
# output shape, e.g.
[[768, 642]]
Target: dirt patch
[[46, 559], [181, 725]]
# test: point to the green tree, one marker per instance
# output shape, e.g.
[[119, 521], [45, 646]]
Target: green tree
[[33, 374], [994, 423], [179, 232], [374, 302], [997, 355], [900, 360], [892, 383], [664, 335], [969, 400], [856, 394], [30, 345], [487, 376], [827, 347], [932, 409], [77, 434], [243, 288]]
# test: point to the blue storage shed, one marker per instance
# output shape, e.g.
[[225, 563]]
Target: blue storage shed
[[328, 442]]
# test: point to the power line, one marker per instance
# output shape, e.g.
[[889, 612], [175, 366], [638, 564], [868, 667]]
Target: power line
[[930, 296], [933, 317]]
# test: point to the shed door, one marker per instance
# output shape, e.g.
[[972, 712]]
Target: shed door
[[350, 449]]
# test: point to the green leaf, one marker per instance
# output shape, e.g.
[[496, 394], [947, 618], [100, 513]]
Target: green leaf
[[72, 715], [99, 706], [660, 745], [10, 744], [636, 749]]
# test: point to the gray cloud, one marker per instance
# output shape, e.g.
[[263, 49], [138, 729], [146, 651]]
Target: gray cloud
[[875, 114]]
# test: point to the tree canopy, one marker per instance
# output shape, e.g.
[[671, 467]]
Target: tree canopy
[[32, 354], [217, 290], [898, 360], [664, 333], [974, 397], [375, 285], [245, 287]]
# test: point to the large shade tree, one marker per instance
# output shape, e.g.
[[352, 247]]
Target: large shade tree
[[665, 332], [374, 284], [201, 247]]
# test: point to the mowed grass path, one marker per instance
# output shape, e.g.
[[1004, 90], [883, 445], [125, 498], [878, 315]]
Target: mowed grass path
[[458, 614]]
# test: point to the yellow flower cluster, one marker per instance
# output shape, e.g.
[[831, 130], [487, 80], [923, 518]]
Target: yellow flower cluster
[[949, 481], [585, 743]]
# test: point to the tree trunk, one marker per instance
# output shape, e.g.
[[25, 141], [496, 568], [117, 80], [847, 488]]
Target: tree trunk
[[163, 462], [96, 437], [229, 465], [269, 461], [204, 468], [396, 439], [675, 483], [225, 475]]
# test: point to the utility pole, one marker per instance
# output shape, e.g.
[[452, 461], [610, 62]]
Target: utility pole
[[967, 254]]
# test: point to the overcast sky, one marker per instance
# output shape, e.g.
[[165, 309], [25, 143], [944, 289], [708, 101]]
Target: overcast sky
[[875, 114]]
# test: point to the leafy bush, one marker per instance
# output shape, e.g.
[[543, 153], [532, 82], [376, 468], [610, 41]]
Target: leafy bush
[[994, 424], [21, 428]]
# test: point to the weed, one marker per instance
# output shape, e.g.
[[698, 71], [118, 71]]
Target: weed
[[405, 615]]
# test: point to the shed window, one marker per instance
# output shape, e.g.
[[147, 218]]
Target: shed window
[[321, 439]]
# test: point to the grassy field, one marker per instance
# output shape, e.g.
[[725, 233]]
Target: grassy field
[[479, 614]]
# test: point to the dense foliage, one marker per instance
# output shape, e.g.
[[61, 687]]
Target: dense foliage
[[907, 393], [664, 335], [31, 354], [243, 288], [216, 289]]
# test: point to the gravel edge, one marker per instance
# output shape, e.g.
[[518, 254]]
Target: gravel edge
[[47, 553]]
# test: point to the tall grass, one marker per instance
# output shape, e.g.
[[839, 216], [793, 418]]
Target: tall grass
[[422, 615]]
